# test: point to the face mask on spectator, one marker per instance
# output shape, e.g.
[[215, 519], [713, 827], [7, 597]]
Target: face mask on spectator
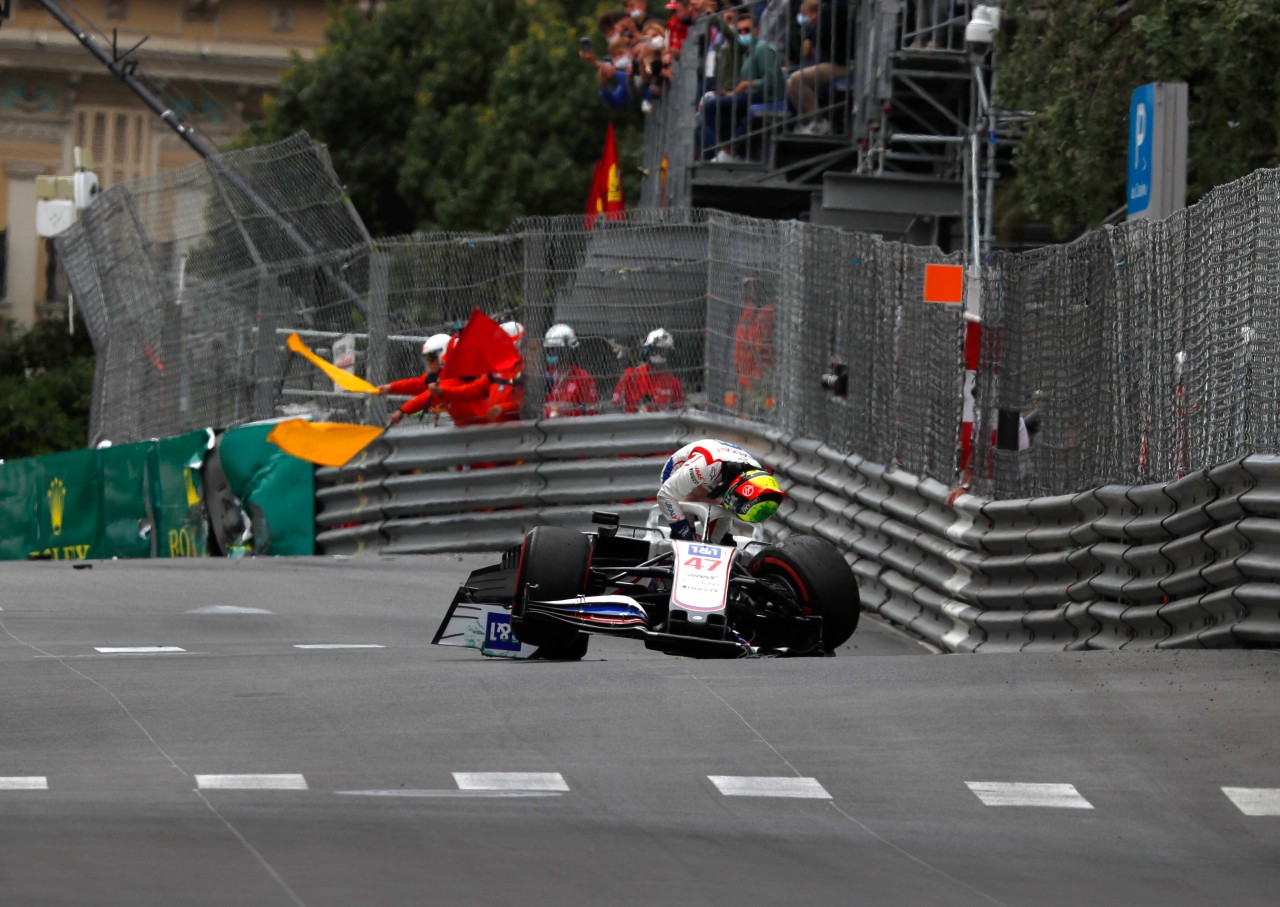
[[637, 14], [802, 20], [658, 42], [744, 38], [622, 62]]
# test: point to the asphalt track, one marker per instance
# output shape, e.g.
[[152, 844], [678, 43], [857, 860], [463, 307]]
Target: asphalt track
[[635, 778]]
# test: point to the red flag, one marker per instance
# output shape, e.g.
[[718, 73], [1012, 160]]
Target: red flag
[[613, 203], [482, 347], [595, 200]]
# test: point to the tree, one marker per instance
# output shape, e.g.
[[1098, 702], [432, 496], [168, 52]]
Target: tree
[[46, 381], [1076, 63], [453, 114]]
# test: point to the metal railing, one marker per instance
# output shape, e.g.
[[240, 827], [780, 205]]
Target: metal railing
[[1183, 564]]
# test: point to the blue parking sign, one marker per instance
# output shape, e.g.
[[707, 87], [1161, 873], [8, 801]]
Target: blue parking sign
[[1141, 140]]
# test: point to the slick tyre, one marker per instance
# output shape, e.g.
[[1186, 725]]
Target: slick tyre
[[556, 561], [823, 583]]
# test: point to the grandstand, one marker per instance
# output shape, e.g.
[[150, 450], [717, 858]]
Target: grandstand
[[914, 149]]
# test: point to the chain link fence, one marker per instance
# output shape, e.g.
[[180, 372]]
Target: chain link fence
[[1140, 353], [1144, 352]]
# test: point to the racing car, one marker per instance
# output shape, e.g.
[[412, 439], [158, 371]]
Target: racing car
[[730, 598]]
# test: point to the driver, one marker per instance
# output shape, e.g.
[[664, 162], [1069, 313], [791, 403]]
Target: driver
[[721, 475]]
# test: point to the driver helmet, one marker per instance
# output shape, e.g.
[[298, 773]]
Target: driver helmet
[[754, 496], [657, 346], [436, 345], [559, 339]]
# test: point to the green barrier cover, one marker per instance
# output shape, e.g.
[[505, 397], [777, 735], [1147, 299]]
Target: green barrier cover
[[50, 506], [126, 525], [277, 490], [136, 500], [178, 512]]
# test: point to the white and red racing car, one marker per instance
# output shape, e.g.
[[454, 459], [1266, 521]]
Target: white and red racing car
[[730, 598]]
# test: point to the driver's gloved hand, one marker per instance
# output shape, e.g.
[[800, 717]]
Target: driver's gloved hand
[[681, 529]]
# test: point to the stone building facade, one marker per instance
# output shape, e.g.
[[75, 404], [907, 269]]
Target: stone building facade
[[213, 61]]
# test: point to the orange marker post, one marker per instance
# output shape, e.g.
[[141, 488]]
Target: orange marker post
[[944, 284]]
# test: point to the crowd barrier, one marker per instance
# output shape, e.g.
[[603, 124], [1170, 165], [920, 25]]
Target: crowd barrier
[[1189, 563]]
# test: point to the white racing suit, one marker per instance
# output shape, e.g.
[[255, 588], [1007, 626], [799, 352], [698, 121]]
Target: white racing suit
[[700, 473]]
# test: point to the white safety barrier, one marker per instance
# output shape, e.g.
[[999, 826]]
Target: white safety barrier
[[1190, 563]]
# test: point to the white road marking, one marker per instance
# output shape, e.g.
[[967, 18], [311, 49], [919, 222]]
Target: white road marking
[[1002, 793], [544, 781], [25, 782], [340, 645], [137, 650], [227, 609], [765, 786], [402, 792], [1255, 801], [251, 782], [110, 655]]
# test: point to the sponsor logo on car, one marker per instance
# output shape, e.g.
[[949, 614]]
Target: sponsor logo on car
[[498, 633], [706, 551]]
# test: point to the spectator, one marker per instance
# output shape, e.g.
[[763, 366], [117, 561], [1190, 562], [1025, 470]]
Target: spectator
[[612, 74], [638, 12], [506, 390], [807, 21], [646, 61], [682, 17], [571, 391], [611, 22], [421, 388], [651, 386], [831, 50], [760, 82]]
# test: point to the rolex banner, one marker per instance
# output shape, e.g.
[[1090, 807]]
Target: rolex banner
[[136, 500], [50, 506]]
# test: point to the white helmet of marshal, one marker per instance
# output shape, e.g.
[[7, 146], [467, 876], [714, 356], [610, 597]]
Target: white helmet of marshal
[[514, 330], [657, 345], [436, 345], [560, 337]]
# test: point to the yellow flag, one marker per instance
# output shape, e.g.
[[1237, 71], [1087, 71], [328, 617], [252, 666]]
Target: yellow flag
[[343, 379], [323, 443]]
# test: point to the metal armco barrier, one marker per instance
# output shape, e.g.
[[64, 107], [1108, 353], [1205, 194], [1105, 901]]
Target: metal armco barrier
[[1190, 563]]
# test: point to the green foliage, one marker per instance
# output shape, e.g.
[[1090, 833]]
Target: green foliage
[[46, 381], [455, 114], [1076, 63]]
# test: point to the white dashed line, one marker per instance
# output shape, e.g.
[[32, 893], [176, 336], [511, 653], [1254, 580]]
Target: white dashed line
[[543, 781], [1255, 801], [449, 794], [340, 645], [1001, 793], [25, 782], [251, 782], [764, 786], [137, 650], [227, 609]]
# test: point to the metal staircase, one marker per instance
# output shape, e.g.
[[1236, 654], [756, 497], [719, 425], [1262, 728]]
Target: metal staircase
[[916, 146]]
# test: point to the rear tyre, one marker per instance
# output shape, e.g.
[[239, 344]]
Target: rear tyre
[[823, 583], [556, 561]]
